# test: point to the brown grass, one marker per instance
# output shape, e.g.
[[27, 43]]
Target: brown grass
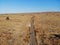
[[15, 31]]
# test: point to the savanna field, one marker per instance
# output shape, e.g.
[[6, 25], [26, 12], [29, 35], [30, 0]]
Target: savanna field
[[15, 28]]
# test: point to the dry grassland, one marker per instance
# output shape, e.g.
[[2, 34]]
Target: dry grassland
[[14, 28]]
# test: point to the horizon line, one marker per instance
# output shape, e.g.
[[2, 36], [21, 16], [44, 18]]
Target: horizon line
[[28, 12]]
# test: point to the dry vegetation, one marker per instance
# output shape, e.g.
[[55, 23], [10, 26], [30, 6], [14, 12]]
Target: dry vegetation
[[14, 28]]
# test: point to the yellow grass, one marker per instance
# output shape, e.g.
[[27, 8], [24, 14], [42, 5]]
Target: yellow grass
[[15, 31]]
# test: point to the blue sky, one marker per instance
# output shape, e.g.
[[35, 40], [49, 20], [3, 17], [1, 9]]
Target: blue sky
[[24, 6]]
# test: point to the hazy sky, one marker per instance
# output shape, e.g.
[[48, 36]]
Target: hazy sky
[[22, 6]]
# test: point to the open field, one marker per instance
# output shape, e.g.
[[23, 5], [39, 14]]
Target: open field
[[15, 28]]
